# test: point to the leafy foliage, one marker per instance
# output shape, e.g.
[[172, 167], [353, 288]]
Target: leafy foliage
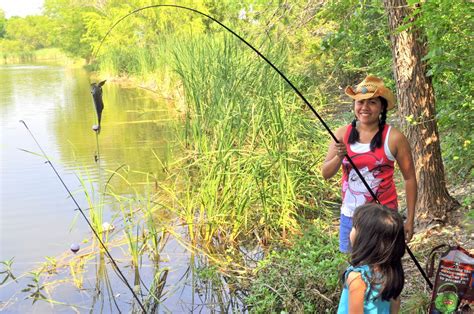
[[360, 44], [31, 31], [448, 26], [302, 279], [69, 26], [22, 36], [3, 21]]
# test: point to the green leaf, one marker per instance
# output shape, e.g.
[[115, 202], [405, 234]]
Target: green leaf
[[4, 280]]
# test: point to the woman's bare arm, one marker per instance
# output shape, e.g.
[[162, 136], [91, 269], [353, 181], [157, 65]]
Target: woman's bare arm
[[401, 149], [335, 155]]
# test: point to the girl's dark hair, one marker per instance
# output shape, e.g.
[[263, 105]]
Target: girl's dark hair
[[376, 141], [380, 242]]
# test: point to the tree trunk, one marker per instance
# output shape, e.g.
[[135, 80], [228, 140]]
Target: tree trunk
[[416, 101]]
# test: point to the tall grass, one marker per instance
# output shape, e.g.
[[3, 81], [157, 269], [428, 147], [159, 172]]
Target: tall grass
[[148, 64], [250, 167]]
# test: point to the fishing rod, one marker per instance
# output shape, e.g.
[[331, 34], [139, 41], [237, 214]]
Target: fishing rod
[[119, 272], [258, 53], [374, 196]]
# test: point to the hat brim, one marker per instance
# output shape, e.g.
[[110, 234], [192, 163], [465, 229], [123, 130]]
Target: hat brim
[[379, 92]]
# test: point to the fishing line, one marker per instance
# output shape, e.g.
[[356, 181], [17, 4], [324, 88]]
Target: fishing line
[[119, 272], [97, 156], [286, 80]]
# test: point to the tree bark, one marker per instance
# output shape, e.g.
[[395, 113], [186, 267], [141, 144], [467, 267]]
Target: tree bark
[[416, 101]]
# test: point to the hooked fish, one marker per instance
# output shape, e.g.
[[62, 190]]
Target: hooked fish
[[96, 91]]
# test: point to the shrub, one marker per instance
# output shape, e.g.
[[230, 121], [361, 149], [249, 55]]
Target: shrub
[[304, 278]]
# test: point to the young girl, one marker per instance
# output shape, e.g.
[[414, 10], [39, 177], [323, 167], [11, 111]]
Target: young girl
[[374, 281]]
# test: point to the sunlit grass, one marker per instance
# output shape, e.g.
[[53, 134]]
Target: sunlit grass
[[247, 167]]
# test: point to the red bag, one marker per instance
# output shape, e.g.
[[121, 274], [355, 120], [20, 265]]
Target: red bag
[[453, 290]]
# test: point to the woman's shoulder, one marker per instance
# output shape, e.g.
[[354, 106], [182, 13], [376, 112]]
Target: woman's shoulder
[[396, 133], [396, 139], [340, 131]]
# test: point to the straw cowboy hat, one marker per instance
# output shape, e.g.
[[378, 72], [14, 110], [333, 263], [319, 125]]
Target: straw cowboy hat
[[371, 87]]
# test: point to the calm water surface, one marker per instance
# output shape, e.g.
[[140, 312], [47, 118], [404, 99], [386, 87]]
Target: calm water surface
[[37, 219]]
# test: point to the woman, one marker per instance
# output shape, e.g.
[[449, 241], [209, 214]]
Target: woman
[[373, 146]]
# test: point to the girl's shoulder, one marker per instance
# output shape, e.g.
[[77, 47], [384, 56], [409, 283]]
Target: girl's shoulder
[[354, 278], [358, 268], [355, 272]]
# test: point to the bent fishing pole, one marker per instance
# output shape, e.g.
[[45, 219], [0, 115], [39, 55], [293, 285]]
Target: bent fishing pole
[[119, 272], [286, 80]]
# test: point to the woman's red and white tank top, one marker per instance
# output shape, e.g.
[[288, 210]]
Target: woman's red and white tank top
[[377, 169]]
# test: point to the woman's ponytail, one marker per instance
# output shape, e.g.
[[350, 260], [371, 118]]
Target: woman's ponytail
[[354, 135], [377, 139]]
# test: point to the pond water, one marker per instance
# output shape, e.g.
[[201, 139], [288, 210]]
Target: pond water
[[37, 218]]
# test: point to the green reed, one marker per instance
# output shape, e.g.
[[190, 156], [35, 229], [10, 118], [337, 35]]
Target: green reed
[[148, 63], [96, 199], [250, 166], [157, 290], [143, 228]]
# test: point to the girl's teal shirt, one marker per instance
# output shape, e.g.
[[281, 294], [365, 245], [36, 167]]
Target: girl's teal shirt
[[372, 303]]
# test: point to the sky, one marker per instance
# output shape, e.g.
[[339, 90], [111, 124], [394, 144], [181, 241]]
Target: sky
[[21, 7]]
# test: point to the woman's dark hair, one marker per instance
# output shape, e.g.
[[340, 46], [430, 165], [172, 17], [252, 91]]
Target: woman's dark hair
[[376, 141], [380, 242]]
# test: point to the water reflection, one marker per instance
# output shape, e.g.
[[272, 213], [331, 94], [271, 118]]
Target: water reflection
[[133, 127]]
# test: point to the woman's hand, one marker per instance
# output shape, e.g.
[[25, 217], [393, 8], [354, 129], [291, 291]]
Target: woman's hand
[[340, 149], [408, 231]]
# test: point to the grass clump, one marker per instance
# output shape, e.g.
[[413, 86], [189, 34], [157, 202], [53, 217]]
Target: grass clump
[[302, 279], [251, 148]]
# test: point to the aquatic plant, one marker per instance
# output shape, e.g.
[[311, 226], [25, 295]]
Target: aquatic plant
[[157, 290], [76, 267], [7, 271], [36, 287], [50, 265]]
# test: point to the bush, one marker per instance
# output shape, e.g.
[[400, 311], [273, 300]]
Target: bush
[[304, 278]]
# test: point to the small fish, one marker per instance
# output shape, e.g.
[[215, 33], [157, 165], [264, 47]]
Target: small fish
[[96, 91]]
